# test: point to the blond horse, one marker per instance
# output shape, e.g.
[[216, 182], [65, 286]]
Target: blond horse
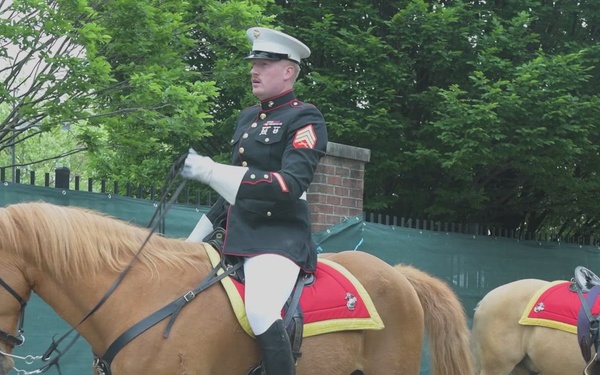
[[502, 346], [70, 257]]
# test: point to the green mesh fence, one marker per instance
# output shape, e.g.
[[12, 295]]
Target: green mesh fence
[[179, 219], [472, 265]]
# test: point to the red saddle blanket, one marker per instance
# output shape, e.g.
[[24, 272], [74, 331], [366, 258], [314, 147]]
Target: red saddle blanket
[[555, 306], [336, 301]]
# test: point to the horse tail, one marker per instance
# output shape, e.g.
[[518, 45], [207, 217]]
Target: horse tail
[[445, 323]]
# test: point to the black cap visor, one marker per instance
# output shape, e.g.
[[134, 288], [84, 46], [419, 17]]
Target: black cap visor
[[268, 56]]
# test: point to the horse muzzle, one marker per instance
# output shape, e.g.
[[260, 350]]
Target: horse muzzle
[[6, 362]]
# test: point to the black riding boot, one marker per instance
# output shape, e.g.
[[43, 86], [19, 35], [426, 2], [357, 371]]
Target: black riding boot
[[276, 352]]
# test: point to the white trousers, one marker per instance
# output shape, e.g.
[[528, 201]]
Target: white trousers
[[270, 279]]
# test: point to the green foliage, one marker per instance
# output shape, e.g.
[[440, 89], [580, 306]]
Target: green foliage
[[175, 66], [220, 29], [480, 112], [44, 152], [156, 103], [473, 111], [47, 78]]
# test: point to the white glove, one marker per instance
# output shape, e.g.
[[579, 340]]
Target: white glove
[[224, 179], [197, 167]]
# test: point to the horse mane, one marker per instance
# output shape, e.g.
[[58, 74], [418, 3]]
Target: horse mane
[[70, 241]]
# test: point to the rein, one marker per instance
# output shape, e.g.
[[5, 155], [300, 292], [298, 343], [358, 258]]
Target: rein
[[157, 218]]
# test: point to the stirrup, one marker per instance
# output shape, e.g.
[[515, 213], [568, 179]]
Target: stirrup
[[593, 367], [256, 370]]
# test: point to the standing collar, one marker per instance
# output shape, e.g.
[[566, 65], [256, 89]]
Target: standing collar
[[277, 101]]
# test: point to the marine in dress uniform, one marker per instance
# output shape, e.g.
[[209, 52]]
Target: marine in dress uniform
[[276, 147]]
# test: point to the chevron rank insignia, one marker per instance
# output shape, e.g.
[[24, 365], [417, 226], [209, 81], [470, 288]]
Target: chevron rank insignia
[[305, 137]]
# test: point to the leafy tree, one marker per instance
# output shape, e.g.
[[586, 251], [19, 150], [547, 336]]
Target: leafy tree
[[528, 123], [172, 69], [473, 111], [56, 148], [122, 67], [48, 78], [155, 104], [221, 28]]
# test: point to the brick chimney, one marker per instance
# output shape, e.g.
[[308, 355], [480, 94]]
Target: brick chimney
[[338, 185]]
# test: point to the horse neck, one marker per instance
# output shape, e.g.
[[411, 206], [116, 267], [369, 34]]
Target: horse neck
[[73, 299]]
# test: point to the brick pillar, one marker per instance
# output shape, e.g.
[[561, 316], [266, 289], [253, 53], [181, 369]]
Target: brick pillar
[[338, 185]]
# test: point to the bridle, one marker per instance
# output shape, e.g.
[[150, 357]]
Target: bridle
[[9, 338], [19, 338]]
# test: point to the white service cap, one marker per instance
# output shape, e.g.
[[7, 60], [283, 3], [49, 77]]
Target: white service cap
[[275, 45]]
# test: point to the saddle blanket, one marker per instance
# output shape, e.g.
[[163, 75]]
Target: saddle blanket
[[555, 306], [336, 301]]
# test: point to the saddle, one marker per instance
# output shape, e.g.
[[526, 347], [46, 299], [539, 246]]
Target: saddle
[[585, 281], [293, 320]]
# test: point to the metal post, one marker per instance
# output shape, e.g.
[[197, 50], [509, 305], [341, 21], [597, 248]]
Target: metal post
[[62, 177], [13, 158]]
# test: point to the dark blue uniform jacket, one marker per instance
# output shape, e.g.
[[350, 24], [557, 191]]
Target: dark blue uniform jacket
[[281, 142]]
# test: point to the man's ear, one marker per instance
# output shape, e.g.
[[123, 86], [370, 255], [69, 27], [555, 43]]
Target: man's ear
[[290, 71]]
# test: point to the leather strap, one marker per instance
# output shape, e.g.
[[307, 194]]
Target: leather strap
[[172, 309]]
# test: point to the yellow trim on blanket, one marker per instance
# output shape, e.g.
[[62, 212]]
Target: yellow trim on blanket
[[310, 329], [526, 320], [234, 296]]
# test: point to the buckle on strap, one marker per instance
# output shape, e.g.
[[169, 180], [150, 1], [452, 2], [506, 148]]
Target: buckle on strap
[[189, 296]]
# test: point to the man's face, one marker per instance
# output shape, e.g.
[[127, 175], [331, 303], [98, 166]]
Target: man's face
[[270, 77]]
